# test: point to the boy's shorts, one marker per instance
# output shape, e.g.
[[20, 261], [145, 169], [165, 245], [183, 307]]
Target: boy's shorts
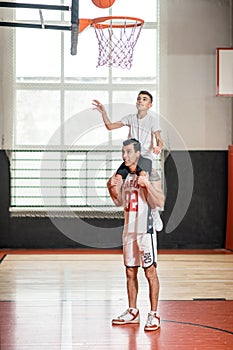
[[139, 249]]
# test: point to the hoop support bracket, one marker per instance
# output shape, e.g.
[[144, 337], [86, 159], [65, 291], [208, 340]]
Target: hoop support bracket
[[34, 6], [34, 25]]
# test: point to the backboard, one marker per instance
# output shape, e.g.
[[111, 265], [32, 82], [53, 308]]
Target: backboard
[[73, 27]]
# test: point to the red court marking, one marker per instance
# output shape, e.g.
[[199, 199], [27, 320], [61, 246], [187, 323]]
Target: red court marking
[[59, 251], [109, 251]]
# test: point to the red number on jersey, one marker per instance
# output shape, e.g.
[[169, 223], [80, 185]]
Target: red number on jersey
[[131, 200]]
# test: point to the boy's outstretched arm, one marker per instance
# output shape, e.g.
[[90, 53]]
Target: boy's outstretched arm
[[109, 125]]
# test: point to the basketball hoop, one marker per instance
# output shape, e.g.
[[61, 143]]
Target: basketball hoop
[[117, 37]]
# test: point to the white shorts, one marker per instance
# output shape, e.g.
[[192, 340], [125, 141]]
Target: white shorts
[[139, 249]]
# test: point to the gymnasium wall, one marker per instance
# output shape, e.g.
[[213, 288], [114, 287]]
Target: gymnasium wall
[[202, 125], [190, 33], [202, 224]]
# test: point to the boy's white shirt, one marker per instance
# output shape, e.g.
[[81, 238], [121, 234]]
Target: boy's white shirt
[[142, 129]]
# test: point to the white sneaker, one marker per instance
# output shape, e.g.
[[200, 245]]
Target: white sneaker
[[153, 322], [129, 316], [158, 224]]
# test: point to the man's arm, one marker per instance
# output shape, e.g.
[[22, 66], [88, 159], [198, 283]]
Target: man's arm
[[109, 125], [155, 196], [114, 186]]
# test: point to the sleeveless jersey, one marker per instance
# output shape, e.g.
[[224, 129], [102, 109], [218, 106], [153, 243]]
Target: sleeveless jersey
[[136, 209]]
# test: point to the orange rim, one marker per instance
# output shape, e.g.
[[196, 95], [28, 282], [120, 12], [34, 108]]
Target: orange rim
[[97, 22]]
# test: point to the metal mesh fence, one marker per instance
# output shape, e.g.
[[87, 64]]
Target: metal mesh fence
[[70, 182]]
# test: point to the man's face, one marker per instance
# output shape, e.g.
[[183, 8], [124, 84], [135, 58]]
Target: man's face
[[130, 157], [143, 102]]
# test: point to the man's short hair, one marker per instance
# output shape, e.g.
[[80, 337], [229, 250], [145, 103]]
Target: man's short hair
[[136, 144], [144, 92]]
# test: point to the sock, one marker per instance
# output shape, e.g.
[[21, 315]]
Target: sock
[[153, 312], [133, 309]]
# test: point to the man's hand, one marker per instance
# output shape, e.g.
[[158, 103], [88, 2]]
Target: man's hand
[[143, 179], [114, 185], [153, 194], [115, 180]]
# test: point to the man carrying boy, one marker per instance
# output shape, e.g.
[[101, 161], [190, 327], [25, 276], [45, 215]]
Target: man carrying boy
[[145, 128], [138, 195]]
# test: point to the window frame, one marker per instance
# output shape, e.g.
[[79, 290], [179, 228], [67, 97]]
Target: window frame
[[111, 85]]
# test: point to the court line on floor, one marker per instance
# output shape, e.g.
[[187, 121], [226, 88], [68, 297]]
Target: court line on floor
[[2, 258], [66, 325], [199, 325]]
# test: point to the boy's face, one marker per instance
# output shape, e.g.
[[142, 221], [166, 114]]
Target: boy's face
[[130, 157], [143, 102]]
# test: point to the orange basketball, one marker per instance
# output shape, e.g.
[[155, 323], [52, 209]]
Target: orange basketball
[[103, 3]]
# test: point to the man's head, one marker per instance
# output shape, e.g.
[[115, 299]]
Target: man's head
[[131, 151]]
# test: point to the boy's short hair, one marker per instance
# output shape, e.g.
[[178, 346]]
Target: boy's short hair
[[136, 144], [144, 92]]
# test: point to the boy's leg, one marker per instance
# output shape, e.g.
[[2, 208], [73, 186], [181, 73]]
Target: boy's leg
[[122, 171], [158, 224]]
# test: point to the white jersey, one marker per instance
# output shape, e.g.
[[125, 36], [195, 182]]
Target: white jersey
[[136, 209], [142, 129], [139, 239]]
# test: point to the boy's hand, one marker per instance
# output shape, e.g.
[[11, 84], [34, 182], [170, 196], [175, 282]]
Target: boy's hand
[[156, 150], [98, 106]]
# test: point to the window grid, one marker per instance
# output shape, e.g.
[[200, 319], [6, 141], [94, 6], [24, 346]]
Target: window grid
[[63, 178], [62, 85]]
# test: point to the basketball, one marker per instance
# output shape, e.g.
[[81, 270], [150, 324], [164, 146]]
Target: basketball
[[103, 3]]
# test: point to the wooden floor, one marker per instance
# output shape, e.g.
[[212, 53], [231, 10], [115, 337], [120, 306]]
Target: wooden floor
[[67, 301]]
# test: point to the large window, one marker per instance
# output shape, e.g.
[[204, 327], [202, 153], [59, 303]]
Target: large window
[[51, 86]]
